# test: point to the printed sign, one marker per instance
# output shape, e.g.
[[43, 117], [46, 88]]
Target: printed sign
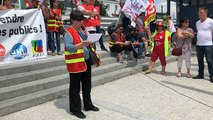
[[19, 51], [2, 51], [37, 48], [21, 38]]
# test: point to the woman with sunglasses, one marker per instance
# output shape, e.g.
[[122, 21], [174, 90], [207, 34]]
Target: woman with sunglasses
[[184, 40], [160, 46], [77, 59]]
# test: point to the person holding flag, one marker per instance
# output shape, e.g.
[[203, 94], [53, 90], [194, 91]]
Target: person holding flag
[[123, 19]]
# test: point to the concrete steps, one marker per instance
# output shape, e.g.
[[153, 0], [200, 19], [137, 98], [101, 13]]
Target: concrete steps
[[33, 99], [46, 80], [28, 84]]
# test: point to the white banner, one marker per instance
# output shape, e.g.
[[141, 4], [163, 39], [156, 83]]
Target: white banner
[[133, 8], [22, 35]]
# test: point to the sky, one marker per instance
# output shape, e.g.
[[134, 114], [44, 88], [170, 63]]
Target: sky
[[159, 3]]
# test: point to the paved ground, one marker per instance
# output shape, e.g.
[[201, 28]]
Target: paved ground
[[138, 97]]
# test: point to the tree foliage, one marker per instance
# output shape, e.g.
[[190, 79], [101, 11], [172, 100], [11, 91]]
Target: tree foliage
[[102, 8]]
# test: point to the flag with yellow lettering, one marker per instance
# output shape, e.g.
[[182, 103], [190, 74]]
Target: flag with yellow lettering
[[150, 13]]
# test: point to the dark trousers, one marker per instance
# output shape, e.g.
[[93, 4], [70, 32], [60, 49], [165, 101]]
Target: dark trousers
[[98, 30], [93, 44], [208, 52], [118, 48], [74, 90]]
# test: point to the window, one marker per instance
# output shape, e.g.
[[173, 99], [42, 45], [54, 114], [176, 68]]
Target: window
[[116, 7], [108, 7]]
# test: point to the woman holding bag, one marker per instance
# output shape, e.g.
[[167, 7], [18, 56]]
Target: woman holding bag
[[184, 40]]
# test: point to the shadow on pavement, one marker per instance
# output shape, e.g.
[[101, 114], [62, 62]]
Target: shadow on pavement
[[188, 87], [167, 73], [63, 103]]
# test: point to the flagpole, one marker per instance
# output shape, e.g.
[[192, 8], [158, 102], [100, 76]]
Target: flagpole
[[72, 5], [19, 4]]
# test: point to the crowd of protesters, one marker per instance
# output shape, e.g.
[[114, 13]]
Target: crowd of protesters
[[139, 42], [157, 43], [129, 40]]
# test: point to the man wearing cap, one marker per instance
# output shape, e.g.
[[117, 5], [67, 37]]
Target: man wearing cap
[[123, 20]]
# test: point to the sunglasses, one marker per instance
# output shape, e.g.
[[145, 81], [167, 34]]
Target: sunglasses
[[121, 28], [186, 21], [79, 20]]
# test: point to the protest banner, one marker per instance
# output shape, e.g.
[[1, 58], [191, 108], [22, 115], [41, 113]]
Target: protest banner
[[22, 35], [133, 8]]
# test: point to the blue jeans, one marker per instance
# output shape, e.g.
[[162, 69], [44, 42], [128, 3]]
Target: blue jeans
[[208, 52], [51, 36], [140, 49]]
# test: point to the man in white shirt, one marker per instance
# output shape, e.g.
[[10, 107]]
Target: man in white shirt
[[171, 28], [171, 25], [204, 43]]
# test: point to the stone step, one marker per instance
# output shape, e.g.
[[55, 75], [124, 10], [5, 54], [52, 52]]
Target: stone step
[[13, 68], [32, 99], [35, 98], [107, 68], [131, 67], [34, 86], [19, 78], [23, 77], [51, 81]]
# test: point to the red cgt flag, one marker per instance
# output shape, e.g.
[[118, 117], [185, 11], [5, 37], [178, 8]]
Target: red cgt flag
[[150, 14]]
